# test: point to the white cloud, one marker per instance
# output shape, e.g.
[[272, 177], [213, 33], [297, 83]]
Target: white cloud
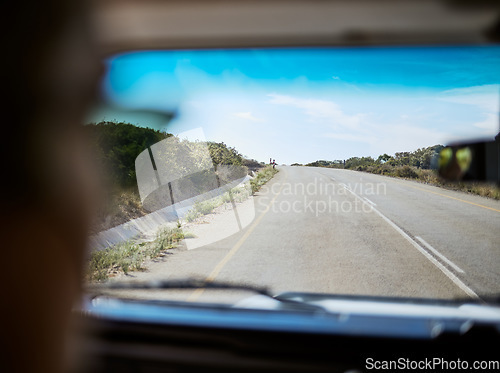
[[402, 137], [328, 111], [379, 138], [483, 96], [490, 123], [248, 116], [351, 137], [373, 134]]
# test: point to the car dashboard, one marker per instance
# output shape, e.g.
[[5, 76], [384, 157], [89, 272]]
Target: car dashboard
[[337, 333]]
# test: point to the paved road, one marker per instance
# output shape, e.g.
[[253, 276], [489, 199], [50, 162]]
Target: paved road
[[340, 231]]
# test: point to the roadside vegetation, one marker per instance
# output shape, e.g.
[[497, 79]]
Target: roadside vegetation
[[115, 147], [201, 208], [130, 256], [237, 194], [417, 165], [262, 177]]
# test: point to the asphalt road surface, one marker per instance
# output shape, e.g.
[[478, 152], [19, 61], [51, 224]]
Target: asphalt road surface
[[345, 232]]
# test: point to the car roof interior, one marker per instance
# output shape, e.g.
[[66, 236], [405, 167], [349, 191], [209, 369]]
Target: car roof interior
[[123, 25]]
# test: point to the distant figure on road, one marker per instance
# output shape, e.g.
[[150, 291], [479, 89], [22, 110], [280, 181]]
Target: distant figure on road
[[274, 163]]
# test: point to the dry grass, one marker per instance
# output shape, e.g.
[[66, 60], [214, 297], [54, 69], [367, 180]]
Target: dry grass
[[263, 176], [130, 256], [200, 208]]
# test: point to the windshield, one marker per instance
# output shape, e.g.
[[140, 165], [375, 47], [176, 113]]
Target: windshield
[[308, 170]]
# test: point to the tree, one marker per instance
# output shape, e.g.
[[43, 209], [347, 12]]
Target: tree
[[383, 158], [117, 145], [223, 155]]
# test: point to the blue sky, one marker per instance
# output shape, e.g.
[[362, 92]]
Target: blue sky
[[301, 105]]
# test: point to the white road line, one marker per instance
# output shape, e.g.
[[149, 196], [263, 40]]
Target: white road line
[[467, 290], [445, 259], [345, 186], [349, 189], [370, 202]]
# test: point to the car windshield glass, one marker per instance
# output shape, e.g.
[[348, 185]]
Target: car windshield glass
[[304, 169]]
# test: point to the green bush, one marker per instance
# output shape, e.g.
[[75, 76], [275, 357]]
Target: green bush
[[117, 145], [411, 165], [406, 172]]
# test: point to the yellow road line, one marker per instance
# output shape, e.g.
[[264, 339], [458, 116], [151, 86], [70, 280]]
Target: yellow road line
[[211, 277], [457, 199]]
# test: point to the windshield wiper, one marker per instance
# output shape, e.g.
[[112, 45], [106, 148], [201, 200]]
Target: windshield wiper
[[184, 284], [190, 283]]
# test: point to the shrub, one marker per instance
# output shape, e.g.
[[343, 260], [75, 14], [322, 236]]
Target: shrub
[[407, 172], [263, 176]]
